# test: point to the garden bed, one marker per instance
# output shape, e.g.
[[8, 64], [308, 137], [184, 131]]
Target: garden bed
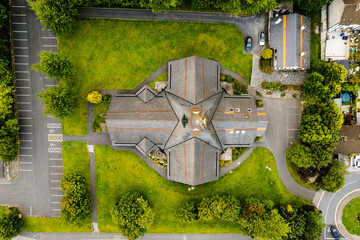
[[100, 112]]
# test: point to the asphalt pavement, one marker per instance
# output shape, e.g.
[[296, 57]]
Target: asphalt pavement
[[36, 190]]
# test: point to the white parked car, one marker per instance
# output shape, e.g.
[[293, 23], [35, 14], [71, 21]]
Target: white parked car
[[357, 161]]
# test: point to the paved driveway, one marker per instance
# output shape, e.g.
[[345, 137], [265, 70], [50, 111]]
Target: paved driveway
[[250, 26]]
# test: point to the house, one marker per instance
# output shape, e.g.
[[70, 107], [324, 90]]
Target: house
[[290, 39], [343, 24], [190, 123], [349, 140]]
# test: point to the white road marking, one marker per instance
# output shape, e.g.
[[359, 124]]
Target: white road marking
[[23, 117], [49, 37], [23, 102], [57, 195], [18, 15], [25, 170], [19, 23], [25, 162], [57, 166], [25, 55], [59, 174], [55, 188], [18, 6], [25, 140], [22, 71], [21, 40], [55, 159], [57, 210], [24, 110], [55, 181], [23, 79], [49, 45], [25, 155], [20, 31], [26, 148], [23, 95], [54, 125]]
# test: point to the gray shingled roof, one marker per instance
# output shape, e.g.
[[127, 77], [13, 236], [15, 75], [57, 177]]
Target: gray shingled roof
[[194, 78], [193, 162], [288, 53], [189, 120], [349, 141]]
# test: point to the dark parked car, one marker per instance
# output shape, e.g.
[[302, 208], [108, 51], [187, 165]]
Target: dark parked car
[[335, 233], [248, 44], [262, 39]]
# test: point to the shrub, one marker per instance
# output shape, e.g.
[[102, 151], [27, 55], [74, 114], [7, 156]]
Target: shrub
[[133, 215], [335, 179], [55, 66], [268, 93], [94, 97], [259, 93], [300, 155], [258, 139], [267, 53], [6, 100], [282, 88], [259, 103], [10, 225], [225, 208], [239, 87], [265, 65], [282, 94], [273, 85], [295, 95], [187, 212]]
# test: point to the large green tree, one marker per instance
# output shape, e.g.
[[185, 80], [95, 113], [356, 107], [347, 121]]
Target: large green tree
[[55, 65], [314, 225], [335, 179], [76, 205], [300, 155], [133, 215], [57, 15], [58, 101]]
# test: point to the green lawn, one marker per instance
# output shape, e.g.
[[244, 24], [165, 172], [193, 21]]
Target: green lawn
[[350, 216], [118, 172], [3, 210], [120, 54], [315, 47], [294, 175], [75, 159]]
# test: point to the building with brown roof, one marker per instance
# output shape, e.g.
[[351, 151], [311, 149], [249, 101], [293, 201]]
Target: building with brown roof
[[190, 123]]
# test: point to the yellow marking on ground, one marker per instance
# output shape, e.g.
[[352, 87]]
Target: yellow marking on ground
[[261, 129], [55, 137], [284, 41], [263, 114]]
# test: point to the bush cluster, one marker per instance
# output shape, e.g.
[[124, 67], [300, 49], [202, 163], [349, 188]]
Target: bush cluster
[[320, 125], [10, 225], [239, 87], [76, 205], [259, 219], [277, 86], [9, 143]]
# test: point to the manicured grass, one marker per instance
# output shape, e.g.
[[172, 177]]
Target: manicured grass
[[3, 210], [294, 175], [350, 216], [75, 159], [120, 54], [162, 78], [118, 172], [315, 47]]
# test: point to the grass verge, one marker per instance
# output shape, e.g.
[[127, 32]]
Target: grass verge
[[133, 50], [294, 175], [118, 172], [350, 216], [315, 46], [75, 159]]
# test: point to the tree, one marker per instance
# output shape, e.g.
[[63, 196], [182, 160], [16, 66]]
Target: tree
[[159, 5], [236, 7], [76, 205], [94, 97], [267, 54], [335, 179], [314, 225], [311, 5], [300, 155], [133, 215], [57, 15], [226, 208], [6, 76], [353, 78], [6, 100], [187, 212], [10, 225], [296, 219], [58, 101], [314, 87], [55, 66]]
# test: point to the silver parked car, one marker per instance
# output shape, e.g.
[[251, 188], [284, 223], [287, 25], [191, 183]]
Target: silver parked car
[[357, 161], [262, 39]]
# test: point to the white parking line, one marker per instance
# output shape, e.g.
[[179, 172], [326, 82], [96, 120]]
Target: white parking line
[[21, 40], [22, 87], [49, 85], [26, 148], [18, 6], [25, 170], [25, 155], [19, 23], [49, 45], [24, 110], [57, 210], [24, 133], [56, 202], [20, 31], [57, 166], [23, 79], [25, 140], [22, 71], [57, 195], [23, 95], [55, 181], [49, 37], [25, 162], [21, 47], [55, 188], [23, 102], [18, 15], [21, 55], [55, 159], [23, 117], [25, 125], [22, 64], [59, 174]]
